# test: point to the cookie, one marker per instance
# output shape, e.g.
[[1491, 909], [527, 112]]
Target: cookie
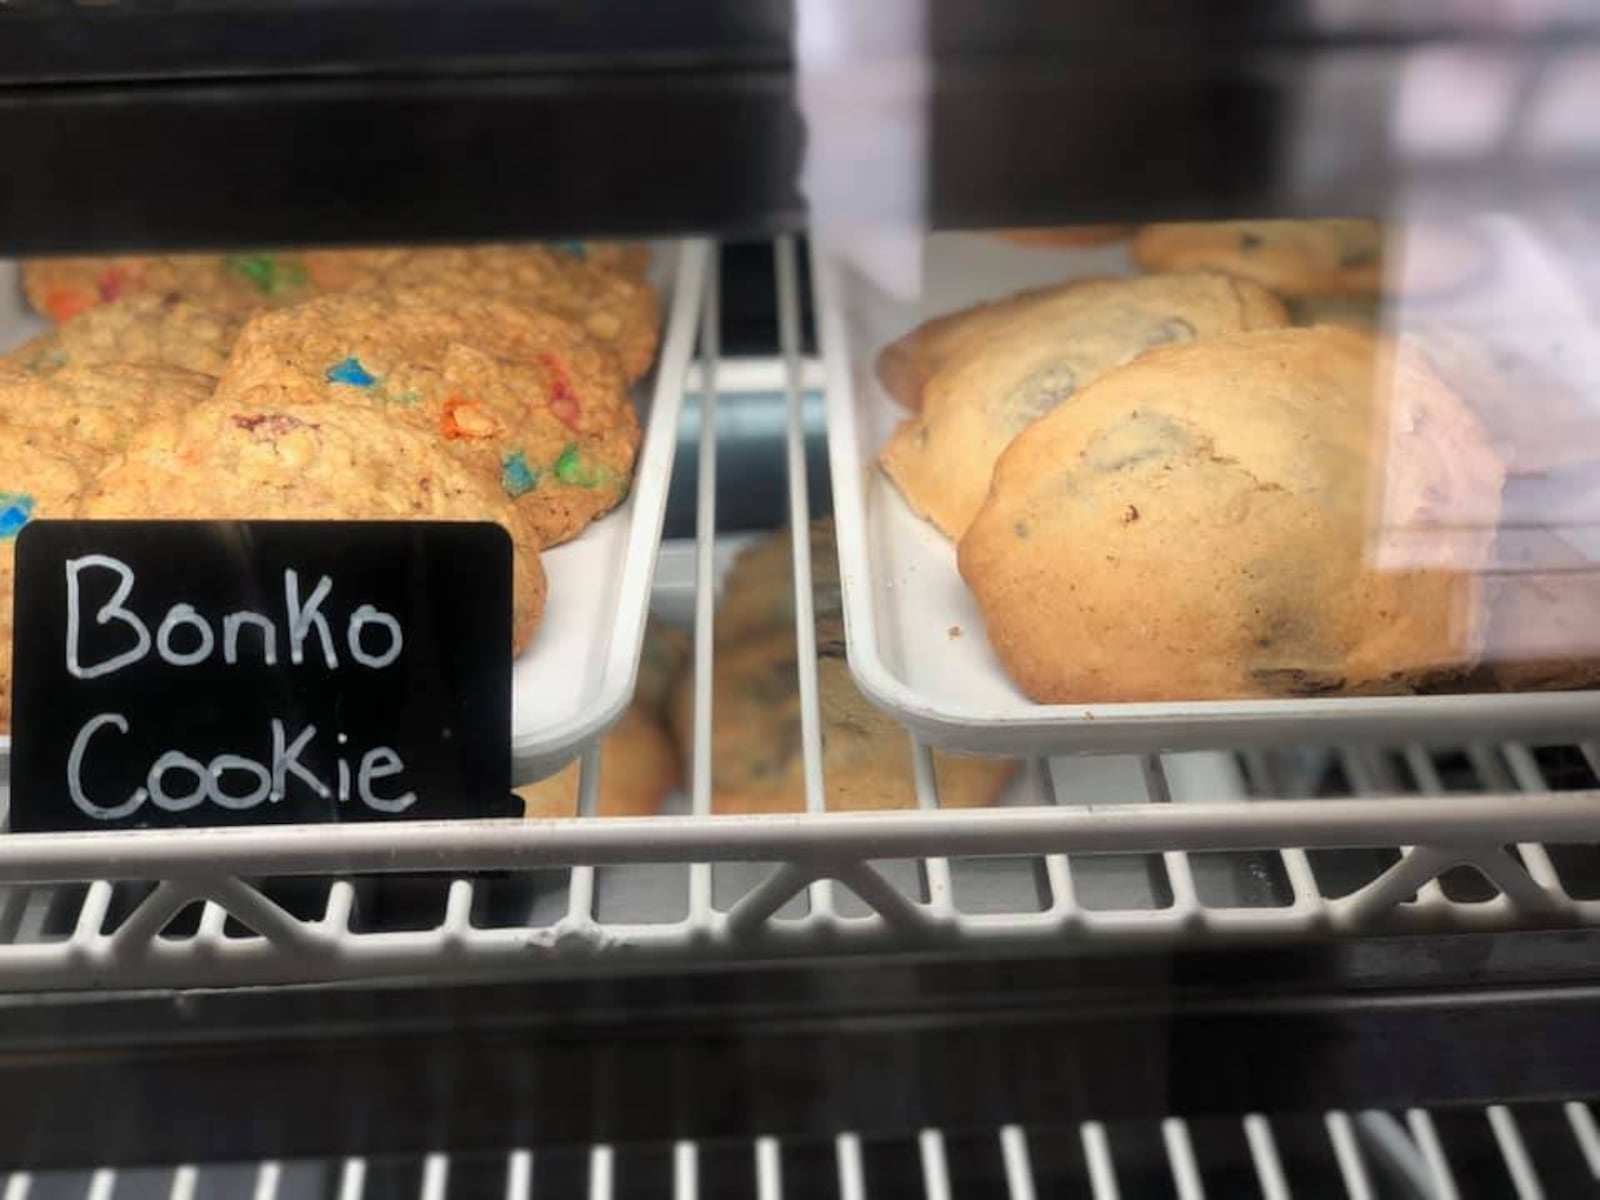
[[315, 462], [1067, 237], [905, 365], [62, 288], [756, 758], [638, 770], [1293, 258], [662, 658], [628, 258], [1357, 311], [145, 330], [618, 310], [95, 408], [43, 477], [1043, 354], [758, 593], [523, 395], [755, 742], [1285, 512]]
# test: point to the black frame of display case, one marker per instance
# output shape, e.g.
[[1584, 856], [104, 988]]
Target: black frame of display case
[[879, 1048], [198, 123]]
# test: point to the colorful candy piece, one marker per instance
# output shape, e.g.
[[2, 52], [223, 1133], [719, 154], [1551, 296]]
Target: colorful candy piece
[[111, 284], [464, 418], [570, 468], [16, 510], [49, 359], [516, 476], [63, 304], [352, 372], [274, 424], [571, 249], [269, 274], [564, 402]]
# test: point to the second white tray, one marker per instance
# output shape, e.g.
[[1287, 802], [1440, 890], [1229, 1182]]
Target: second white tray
[[915, 634]]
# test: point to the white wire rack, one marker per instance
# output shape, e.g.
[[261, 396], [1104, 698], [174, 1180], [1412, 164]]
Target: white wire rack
[[1091, 853], [1527, 1153]]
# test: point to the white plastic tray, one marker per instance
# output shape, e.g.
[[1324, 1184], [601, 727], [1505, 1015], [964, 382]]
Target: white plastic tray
[[915, 634], [578, 675]]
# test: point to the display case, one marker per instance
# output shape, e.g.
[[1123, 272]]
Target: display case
[[816, 890]]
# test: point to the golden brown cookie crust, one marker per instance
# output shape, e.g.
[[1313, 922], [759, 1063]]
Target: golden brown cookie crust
[[757, 764], [62, 288], [905, 365], [522, 395], [1240, 517], [756, 755], [1293, 258], [758, 593], [618, 310], [1041, 355], [143, 330], [1067, 237], [95, 408], [313, 462]]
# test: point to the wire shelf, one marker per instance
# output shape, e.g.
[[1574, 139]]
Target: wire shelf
[[1107, 853], [1527, 1152]]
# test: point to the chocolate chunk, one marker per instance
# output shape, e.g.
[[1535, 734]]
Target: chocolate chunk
[[1038, 394], [1173, 329], [1250, 241], [1136, 439], [1355, 256], [1293, 681]]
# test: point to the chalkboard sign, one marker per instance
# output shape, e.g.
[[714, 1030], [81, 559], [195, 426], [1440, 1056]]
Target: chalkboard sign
[[182, 673]]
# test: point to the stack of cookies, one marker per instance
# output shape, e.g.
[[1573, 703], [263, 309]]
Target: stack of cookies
[[757, 759], [483, 383], [1161, 488]]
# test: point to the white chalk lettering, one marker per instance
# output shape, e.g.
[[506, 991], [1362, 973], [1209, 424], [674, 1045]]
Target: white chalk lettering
[[286, 760], [305, 617], [80, 746], [178, 615], [374, 638], [233, 622], [269, 783], [176, 760], [110, 611], [221, 765], [380, 763], [366, 615]]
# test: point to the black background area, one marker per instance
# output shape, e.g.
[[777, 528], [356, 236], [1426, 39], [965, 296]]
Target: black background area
[[444, 705]]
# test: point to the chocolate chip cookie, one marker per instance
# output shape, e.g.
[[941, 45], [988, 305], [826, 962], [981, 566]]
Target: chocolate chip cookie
[[1292, 258], [1288, 512], [1041, 355]]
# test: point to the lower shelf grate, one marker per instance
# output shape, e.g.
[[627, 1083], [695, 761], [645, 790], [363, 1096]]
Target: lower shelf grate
[[1527, 1152]]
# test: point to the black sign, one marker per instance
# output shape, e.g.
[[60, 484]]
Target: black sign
[[177, 673]]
